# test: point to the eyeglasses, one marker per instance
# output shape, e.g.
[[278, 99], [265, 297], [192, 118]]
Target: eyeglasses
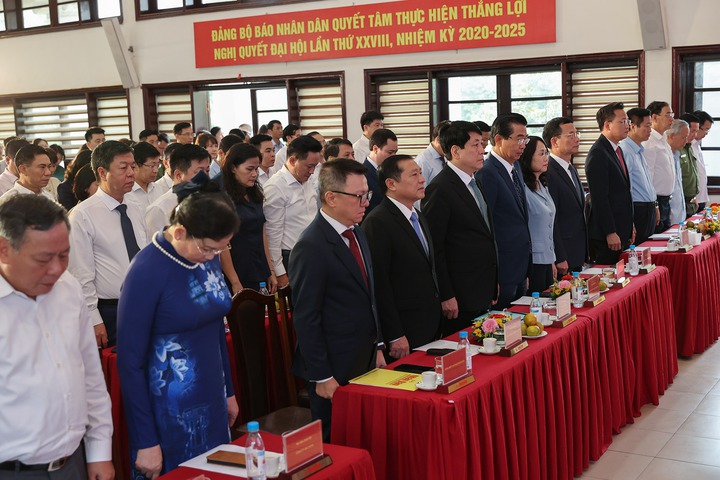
[[365, 197], [670, 114], [706, 130], [624, 121], [521, 140], [151, 166], [569, 135], [210, 252]]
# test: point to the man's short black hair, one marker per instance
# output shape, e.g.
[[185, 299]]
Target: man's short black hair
[[380, 138], [148, 132], [26, 155], [21, 213], [272, 123], [290, 130], [163, 137], [143, 150], [228, 141], [179, 127], [14, 146], [369, 117], [391, 169], [503, 125], [690, 118], [637, 115], [238, 133], [182, 157], [105, 153], [257, 140], [333, 175], [484, 127], [332, 147], [656, 107], [438, 127], [607, 113], [93, 131], [456, 133], [553, 128], [704, 117], [302, 146]]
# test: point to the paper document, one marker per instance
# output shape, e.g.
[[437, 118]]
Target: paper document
[[439, 344], [381, 377], [592, 271], [200, 462], [661, 236], [525, 300]]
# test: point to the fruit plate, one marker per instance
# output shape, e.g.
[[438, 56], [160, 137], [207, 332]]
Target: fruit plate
[[535, 337], [489, 352], [421, 386], [606, 290]]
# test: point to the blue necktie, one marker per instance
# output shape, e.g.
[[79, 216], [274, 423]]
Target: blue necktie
[[518, 187], [127, 232], [418, 231], [480, 201]]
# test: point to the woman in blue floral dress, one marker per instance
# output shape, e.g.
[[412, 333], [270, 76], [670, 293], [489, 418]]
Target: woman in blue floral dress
[[172, 356]]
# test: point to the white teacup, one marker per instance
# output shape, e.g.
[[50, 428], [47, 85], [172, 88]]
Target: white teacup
[[489, 344], [429, 379], [272, 465]]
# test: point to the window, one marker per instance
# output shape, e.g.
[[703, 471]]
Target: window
[[41, 15], [172, 108], [414, 99], [321, 109], [155, 7], [7, 121], [270, 104]]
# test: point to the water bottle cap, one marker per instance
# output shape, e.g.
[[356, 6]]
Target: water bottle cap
[[632, 247], [463, 334], [682, 223], [253, 427], [536, 295], [576, 274], [263, 284]]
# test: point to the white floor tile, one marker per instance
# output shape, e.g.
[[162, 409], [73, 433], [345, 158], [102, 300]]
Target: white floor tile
[[692, 449], [618, 466], [662, 469], [698, 425], [639, 441]]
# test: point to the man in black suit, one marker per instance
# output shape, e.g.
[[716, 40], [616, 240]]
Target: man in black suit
[[383, 143], [331, 275], [406, 285], [570, 232], [461, 229], [610, 226], [505, 193]]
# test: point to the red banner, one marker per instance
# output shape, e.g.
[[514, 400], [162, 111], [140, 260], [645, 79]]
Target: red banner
[[373, 29]]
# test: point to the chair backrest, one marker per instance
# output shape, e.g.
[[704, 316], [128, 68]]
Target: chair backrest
[[261, 355], [286, 308]]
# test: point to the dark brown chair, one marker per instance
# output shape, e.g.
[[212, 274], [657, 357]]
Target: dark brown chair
[[286, 307], [263, 357]]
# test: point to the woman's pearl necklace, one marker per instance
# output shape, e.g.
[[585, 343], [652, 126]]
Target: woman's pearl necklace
[[172, 257]]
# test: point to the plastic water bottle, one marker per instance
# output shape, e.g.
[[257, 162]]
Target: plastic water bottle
[[577, 291], [708, 216], [465, 343], [263, 289], [633, 264], [535, 306], [255, 453]]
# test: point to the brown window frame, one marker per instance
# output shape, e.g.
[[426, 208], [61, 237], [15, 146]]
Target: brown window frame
[[196, 6], [54, 26]]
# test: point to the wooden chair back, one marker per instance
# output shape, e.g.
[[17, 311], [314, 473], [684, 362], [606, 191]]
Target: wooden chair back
[[262, 355]]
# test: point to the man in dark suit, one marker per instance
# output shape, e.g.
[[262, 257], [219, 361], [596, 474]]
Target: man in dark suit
[[331, 275], [503, 188], [383, 143], [570, 232], [610, 226], [461, 229], [406, 285]]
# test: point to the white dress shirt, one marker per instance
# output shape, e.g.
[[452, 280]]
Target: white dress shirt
[[98, 257], [660, 163], [289, 208], [142, 198], [277, 145], [280, 159], [53, 390], [362, 148], [215, 169], [157, 214], [7, 180], [464, 178], [163, 184], [263, 176], [702, 196], [19, 189], [508, 166], [431, 163], [407, 212], [3, 165], [566, 166]]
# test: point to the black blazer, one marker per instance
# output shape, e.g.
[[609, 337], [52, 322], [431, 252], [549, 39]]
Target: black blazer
[[611, 207], [374, 186], [464, 245], [334, 316], [510, 218], [406, 287], [570, 233]]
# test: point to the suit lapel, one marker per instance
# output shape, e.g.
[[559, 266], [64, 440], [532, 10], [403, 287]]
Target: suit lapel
[[343, 253], [405, 226], [560, 172], [509, 183], [613, 155], [466, 196]]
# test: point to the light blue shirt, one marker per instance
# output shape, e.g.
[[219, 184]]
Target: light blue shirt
[[431, 163], [677, 201], [641, 186], [541, 222], [215, 169]]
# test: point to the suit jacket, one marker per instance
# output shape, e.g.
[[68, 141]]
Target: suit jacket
[[406, 287], [464, 244], [510, 219], [334, 316], [570, 229], [611, 207], [374, 186]]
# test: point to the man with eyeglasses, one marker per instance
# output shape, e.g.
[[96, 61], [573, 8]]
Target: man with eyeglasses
[[146, 166], [660, 160], [183, 132], [503, 188], [331, 274], [706, 122], [290, 202], [570, 235], [107, 231], [646, 214], [610, 225], [676, 137], [688, 166]]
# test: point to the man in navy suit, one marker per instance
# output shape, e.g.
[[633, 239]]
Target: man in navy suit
[[331, 274], [406, 285], [461, 228], [503, 188], [383, 143], [610, 226], [570, 232]]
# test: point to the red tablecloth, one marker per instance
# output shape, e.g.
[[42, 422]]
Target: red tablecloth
[[348, 463], [695, 279], [543, 414]]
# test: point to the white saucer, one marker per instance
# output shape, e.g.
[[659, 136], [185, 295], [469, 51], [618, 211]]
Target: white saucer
[[482, 350], [536, 336], [548, 323], [421, 386]]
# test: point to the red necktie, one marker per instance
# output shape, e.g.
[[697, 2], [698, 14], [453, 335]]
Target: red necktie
[[622, 160], [355, 250]]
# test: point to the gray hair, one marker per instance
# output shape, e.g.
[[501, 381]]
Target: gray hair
[[676, 127], [334, 174], [20, 212]]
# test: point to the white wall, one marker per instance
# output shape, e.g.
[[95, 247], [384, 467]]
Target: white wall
[[164, 50]]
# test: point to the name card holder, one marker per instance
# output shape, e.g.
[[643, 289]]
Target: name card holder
[[455, 374], [595, 298], [564, 315], [456, 385], [514, 342], [621, 282], [303, 449]]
